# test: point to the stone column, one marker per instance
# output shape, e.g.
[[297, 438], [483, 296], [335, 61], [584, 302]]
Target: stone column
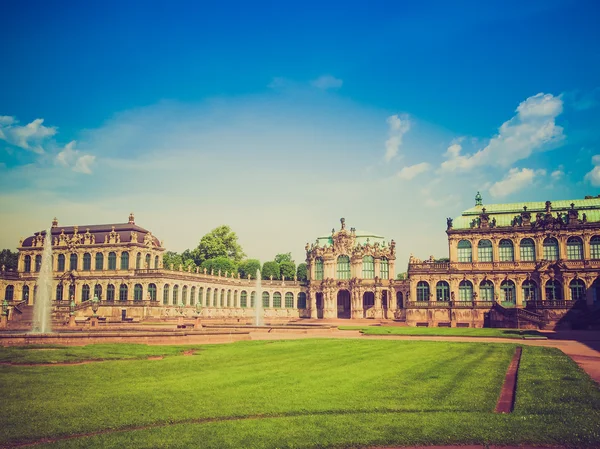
[[312, 300], [392, 267], [453, 249], [377, 263], [519, 291], [474, 253], [566, 289], [587, 252], [378, 309], [562, 247]]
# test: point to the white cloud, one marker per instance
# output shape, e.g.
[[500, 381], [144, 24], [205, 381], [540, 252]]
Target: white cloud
[[398, 127], [558, 174], [514, 181], [593, 176], [327, 82], [72, 158], [413, 170], [532, 129], [29, 137]]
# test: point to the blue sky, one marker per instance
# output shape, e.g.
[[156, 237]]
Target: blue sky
[[278, 118]]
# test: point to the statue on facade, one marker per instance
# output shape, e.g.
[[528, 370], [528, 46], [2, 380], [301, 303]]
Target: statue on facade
[[449, 223]]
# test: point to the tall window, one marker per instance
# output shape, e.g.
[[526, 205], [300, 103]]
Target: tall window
[[343, 267], [222, 298], [484, 251], [553, 290], [384, 268], [85, 293], [176, 294], [152, 292], [368, 268], [244, 299], [550, 248], [577, 288], [59, 292], [508, 292], [265, 299], [27, 264], [99, 261], [123, 292], [112, 260], [98, 291], [574, 248], [289, 300], [138, 293], [277, 299], [73, 262], [25, 293], [318, 269], [235, 299], [442, 291], [595, 247], [208, 298], [228, 298], [124, 260], [38, 262], [184, 295], [486, 291], [166, 294], [192, 295], [216, 297], [155, 261], [527, 250], [422, 291], [465, 251], [138, 261], [302, 300], [61, 263], [506, 250], [201, 296], [87, 262], [399, 300], [147, 265], [110, 292], [252, 298], [465, 291]]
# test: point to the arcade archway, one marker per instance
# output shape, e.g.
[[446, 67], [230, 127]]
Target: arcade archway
[[343, 304]]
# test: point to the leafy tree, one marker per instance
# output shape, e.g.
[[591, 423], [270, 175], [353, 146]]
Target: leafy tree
[[249, 267], [287, 269], [287, 257], [270, 269], [401, 276], [220, 242], [219, 263], [171, 257], [9, 259], [302, 272]]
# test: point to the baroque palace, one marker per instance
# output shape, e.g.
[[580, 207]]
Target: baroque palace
[[510, 265]]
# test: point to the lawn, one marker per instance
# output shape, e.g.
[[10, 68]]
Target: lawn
[[446, 331], [301, 394]]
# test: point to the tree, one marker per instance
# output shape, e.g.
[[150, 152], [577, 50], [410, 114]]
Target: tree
[[249, 267], [219, 263], [220, 242], [287, 257], [270, 269], [9, 259], [287, 270], [171, 257], [302, 272], [401, 276]]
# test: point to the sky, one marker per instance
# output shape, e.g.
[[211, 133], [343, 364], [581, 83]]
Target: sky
[[279, 118]]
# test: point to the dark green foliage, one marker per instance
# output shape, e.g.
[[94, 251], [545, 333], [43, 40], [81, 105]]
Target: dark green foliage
[[302, 272], [271, 269], [249, 267], [220, 242], [219, 263], [9, 259], [287, 269], [287, 257]]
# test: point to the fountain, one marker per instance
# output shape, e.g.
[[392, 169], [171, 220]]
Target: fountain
[[42, 305], [258, 310]]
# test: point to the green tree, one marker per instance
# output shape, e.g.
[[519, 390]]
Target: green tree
[[219, 263], [249, 267], [171, 257], [287, 269], [287, 257], [269, 269], [9, 259], [302, 272], [401, 276], [220, 242]]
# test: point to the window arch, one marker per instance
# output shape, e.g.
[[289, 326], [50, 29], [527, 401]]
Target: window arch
[[465, 251], [85, 293], [59, 292], [184, 291], [442, 291], [99, 261], [166, 294], [228, 298], [289, 300], [61, 263], [550, 248], [208, 297], [176, 294], [318, 269], [38, 262], [222, 303], [216, 297], [138, 293], [138, 261], [384, 268], [235, 299], [155, 261], [485, 251], [422, 291], [73, 262], [506, 251], [25, 293], [486, 290], [553, 290], [9, 292], [577, 288], [112, 260], [527, 248], [152, 292], [574, 248], [301, 300], [252, 298], [265, 299], [595, 247], [244, 299], [87, 262], [201, 296], [277, 299], [110, 292], [124, 260], [368, 267], [192, 295], [465, 291], [27, 264], [508, 292], [343, 267], [123, 290], [148, 259], [98, 291]]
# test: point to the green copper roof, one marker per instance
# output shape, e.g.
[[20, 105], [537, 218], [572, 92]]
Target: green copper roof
[[361, 238]]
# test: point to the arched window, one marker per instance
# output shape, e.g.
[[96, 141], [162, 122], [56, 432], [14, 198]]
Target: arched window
[[442, 291], [527, 250], [138, 293], [486, 291], [208, 297], [595, 247], [73, 262], [124, 260], [244, 299], [166, 294], [148, 259], [399, 300], [235, 299], [201, 296], [422, 291], [228, 298], [155, 261], [343, 267], [216, 297], [465, 251], [222, 298], [85, 293], [38, 262], [110, 292], [87, 262], [192, 295], [184, 295], [574, 248], [59, 292], [465, 291], [61, 263], [252, 298], [368, 268], [289, 300], [27, 264], [384, 268], [98, 291], [71, 292], [123, 292], [302, 300], [318, 269], [553, 290], [550, 248], [484, 251], [138, 261], [277, 299], [112, 260], [506, 251], [152, 292], [99, 261], [508, 292], [25, 293], [577, 288], [176, 294], [265, 299]]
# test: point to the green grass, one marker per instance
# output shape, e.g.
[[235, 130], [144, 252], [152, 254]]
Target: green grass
[[303, 394], [446, 331]]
